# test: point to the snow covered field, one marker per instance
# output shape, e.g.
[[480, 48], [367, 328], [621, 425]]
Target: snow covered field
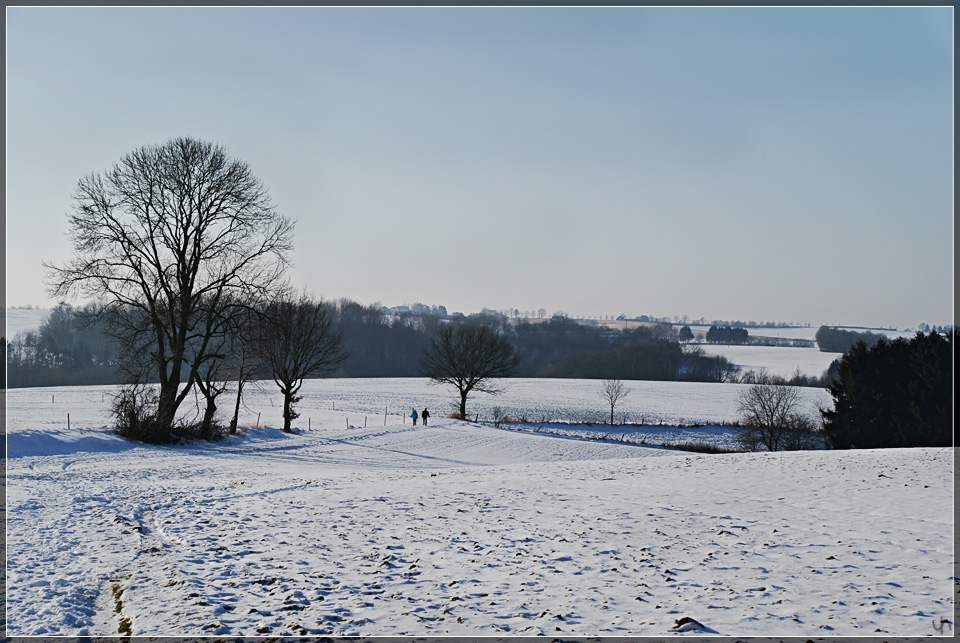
[[539, 400], [21, 320], [460, 529], [778, 360], [810, 332]]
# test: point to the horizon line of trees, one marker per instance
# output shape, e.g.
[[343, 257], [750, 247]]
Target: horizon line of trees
[[74, 347]]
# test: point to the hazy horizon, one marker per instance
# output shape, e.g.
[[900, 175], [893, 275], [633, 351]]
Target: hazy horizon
[[767, 164], [525, 313]]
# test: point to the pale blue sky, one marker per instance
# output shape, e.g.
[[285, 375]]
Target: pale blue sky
[[756, 164]]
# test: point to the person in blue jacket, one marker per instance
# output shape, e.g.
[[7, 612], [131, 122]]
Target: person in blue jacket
[[414, 416]]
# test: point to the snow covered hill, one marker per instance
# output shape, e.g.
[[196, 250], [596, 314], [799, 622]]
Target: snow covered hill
[[21, 320], [468, 530]]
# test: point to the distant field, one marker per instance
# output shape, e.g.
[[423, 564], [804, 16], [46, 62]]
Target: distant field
[[365, 400], [21, 320], [778, 360], [807, 332]]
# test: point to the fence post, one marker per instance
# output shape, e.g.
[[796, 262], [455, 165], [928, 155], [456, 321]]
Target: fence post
[[68, 421], [258, 420]]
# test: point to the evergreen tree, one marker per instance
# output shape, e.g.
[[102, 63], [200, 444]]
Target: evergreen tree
[[893, 394]]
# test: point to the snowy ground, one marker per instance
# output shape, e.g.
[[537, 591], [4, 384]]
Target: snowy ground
[[466, 530], [21, 320], [810, 332], [778, 360], [365, 400]]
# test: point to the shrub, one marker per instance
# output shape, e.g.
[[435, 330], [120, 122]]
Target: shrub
[[701, 447], [134, 410], [199, 431], [499, 416]]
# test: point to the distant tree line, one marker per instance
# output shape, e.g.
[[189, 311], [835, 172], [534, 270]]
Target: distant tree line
[[74, 347], [703, 321], [727, 335], [70, 348], [382, 345], [837, 340]]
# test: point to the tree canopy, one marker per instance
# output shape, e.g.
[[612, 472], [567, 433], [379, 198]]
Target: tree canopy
[[470, 358], [894, 394]]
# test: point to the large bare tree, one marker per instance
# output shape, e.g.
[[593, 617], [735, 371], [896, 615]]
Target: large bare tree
[[167, 239], [297, 339], [470, 358]]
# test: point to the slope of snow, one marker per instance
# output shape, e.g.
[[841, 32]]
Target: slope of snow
[[466, 529], [778, 360], [21, 320]]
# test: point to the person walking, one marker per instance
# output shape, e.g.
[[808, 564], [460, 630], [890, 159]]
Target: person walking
[[414, 416], [425, 415]]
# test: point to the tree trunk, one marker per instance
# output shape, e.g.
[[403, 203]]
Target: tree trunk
[[287, 399], [166, 410], [463, 405], [241, 378], [206, 429], [236, 408]]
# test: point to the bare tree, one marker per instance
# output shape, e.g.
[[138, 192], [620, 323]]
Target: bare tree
[[210, 351], [470, 358], [296, 340], [613, 392], [771, 418], [243, 364], [166, 228]]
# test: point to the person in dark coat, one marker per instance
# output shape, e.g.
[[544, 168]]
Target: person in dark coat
[[425, 415]]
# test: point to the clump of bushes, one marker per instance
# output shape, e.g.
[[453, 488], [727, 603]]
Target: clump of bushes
[[134, 410]]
